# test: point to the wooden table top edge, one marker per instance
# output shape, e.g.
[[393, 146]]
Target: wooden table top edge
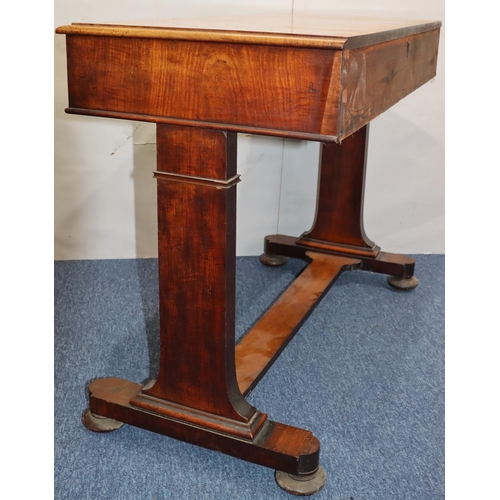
[[229, 127], [248, 37]]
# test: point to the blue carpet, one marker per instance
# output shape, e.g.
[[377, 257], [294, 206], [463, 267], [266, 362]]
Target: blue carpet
[[365, 374]]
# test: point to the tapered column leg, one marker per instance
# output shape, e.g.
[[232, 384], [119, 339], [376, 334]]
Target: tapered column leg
[[338, 225], [196, 177], [196, 397]]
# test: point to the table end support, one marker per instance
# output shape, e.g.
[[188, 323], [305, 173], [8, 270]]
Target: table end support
[[274, 445], [400, 268]]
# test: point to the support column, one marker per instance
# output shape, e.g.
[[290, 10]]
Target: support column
[[196, 397], [338, 226], [196, 175]]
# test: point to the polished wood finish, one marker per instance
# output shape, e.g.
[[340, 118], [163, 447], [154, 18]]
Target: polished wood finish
[[338, 228], [378, 76], [283, 30], [384, 263], [277, 446], [262, 345], [196, 396], [259, 86], [203, 82], [338, 225], [293, 85], [198, 286]]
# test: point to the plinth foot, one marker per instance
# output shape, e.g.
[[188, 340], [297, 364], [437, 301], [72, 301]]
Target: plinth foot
[[302, 485], [274, 445], [403, 284], [269, 259], [95, 423]]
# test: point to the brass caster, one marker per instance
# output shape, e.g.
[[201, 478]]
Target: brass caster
[[269, 259], [303, 485], [404, 284], [95, 423]]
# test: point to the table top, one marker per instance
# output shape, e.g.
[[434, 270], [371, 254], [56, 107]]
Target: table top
[[327, 31], [306, 77]]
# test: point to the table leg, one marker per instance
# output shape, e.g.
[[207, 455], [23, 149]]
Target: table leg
[[338, 226], [196, 397]]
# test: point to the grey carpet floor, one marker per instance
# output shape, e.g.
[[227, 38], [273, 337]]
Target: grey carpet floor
[[365, 374]]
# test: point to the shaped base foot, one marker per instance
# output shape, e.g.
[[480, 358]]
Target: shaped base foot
[[303, 485], [275, 445], [272, 260], [404, 284], [95, 423]]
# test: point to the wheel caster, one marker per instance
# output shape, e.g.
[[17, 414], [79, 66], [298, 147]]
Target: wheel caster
[[404, 284], [269, 259], [302, 485], [95, 423]]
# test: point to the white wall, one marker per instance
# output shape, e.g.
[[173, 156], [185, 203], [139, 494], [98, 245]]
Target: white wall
[[105, 196]]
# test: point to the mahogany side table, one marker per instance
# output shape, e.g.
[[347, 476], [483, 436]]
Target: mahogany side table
[[312, 78]]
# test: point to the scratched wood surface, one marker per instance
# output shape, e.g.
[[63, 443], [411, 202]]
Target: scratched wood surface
[[377, 77]]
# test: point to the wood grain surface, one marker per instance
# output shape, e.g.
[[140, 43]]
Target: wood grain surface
[[316, 78], [260, 86], [377, 77], [197, 266], [262, 345], [338, 224], [327, 31], [278, 446], [305, 85]]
